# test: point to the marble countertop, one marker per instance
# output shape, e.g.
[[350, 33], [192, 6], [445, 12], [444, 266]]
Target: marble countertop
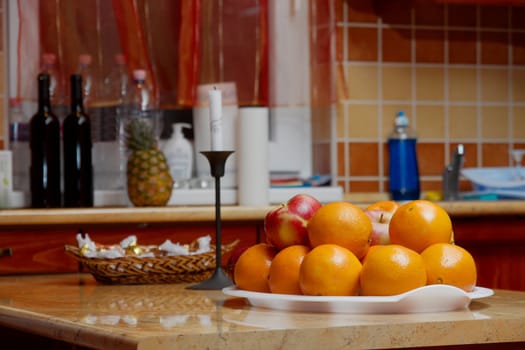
[[76, 309], [110, 215]]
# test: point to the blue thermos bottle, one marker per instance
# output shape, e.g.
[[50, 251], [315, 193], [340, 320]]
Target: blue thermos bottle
[[403, 168]]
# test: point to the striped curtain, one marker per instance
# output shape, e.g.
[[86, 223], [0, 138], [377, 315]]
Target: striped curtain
[[180, 43]]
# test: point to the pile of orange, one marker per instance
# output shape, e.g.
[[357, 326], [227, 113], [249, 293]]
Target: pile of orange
[[340, 260]]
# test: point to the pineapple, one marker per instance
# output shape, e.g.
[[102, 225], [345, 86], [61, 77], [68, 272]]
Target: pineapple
[[148, 174]]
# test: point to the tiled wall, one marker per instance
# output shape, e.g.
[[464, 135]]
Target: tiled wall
[[457, 70]]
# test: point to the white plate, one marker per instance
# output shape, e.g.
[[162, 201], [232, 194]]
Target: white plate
[[433, 298]]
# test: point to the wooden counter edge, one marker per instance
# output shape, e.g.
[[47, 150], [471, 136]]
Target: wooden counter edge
[[132, 215], [111, 215]]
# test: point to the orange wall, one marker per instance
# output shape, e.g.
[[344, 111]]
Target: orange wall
[[457, 70]]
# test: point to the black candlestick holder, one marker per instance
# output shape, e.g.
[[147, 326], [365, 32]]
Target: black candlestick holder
[[219, 279]]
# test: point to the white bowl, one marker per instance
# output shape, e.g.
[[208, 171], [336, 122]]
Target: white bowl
[[495, 178]]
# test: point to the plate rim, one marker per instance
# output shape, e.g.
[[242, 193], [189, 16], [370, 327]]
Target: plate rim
[[477, 293]]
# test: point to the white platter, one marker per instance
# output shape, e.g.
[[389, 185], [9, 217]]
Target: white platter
[[432, 298]]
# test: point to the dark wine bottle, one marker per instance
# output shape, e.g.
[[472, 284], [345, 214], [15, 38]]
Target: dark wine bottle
[[78, 165], [44, 142]]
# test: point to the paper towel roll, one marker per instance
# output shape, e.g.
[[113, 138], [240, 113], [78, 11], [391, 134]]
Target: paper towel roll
[[252, 157]]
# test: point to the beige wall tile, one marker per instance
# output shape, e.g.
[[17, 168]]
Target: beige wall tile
[[362, 82], [363, 121], [397, 84], [462, 122], [462, 84], [518, 127], [494, 85], [518, 84], [429, 83], [430, 122], [494, 122]]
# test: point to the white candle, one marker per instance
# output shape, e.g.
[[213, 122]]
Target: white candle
[[215, 119]]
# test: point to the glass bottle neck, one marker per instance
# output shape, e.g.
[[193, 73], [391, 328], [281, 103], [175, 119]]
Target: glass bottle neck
[[44, 101], [76, 93]]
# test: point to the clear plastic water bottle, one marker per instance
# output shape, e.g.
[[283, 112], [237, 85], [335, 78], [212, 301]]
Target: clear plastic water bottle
[[117, 83], [19, 145], [116, 87], [84, 70], [140, 103], [403, 168]]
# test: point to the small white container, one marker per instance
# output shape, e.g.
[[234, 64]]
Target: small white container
[[179, 154]]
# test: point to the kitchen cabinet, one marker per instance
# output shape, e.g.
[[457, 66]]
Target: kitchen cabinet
[[498, 247], [494, 232], [36, 238], [41, 250]]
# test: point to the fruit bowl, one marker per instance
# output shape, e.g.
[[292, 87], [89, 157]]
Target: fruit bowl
[[431, 298]]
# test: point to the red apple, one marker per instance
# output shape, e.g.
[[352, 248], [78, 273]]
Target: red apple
[[380, 214], [286, 224], [232, 260]]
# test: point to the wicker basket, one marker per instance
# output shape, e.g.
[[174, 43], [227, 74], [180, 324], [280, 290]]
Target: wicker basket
[[136, 270]]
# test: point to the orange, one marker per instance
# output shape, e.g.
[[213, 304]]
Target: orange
[[341, 223], [329, 269], [419, 224], [283, 277], [385, 205], [253, 266], [392, 269], [450, 264]]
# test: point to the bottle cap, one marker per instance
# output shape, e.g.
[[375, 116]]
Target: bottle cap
[[139, 74], [84, 58], [15, 101], [401, 119], [120, 58], [49, 58]]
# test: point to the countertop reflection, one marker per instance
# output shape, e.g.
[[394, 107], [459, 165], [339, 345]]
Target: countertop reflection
[[76, 309]]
